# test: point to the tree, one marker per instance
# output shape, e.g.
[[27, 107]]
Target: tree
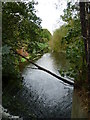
[[45, 35], [56, 42], [20, 22], [85, 24], [20, 27], [74, 42]]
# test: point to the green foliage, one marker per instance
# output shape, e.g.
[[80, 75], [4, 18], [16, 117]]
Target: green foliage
[[43, 46], [71, 12], [21, 28], [5, 50], [38, 47], [20, 22], [75, 46], [56, 43], [45, 35], [9, 64], [68, 38]]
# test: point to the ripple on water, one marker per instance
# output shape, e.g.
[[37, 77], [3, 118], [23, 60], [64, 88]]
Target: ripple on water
[[43, 94]]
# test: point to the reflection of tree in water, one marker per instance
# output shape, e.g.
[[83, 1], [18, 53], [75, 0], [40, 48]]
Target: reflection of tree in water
[[60, 60]]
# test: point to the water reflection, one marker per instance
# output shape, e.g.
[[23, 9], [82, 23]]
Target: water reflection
[[44, 95], [60, 60]]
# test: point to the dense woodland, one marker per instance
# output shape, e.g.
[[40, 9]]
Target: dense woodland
[[21, 30]]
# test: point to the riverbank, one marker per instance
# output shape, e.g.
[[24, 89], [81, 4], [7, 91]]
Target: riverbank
[[80, 104], [83, 94]]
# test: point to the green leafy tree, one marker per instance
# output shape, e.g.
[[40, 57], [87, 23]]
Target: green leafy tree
[[20, 28], [45, 35], [20, 22], [56, 43], [75, 49]]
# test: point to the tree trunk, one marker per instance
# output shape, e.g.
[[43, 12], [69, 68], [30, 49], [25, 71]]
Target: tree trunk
[[88, 60], [83, 25]]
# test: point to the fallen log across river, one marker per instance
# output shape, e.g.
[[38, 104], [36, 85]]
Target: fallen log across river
[[70, 82]]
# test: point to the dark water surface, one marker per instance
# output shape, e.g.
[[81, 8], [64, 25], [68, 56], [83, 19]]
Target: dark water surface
[[44, 95]]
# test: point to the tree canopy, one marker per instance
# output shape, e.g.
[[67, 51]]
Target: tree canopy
[[20, 23], [21, 29], [68, 38]]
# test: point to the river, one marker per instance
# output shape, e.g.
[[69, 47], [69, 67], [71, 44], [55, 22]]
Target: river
[[44, 95], [41, 95]]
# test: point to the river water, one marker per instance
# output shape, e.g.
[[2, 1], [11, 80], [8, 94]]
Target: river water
[[44, 95], [41, 95]]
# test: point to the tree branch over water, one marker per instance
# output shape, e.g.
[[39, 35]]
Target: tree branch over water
[[47, 71]]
